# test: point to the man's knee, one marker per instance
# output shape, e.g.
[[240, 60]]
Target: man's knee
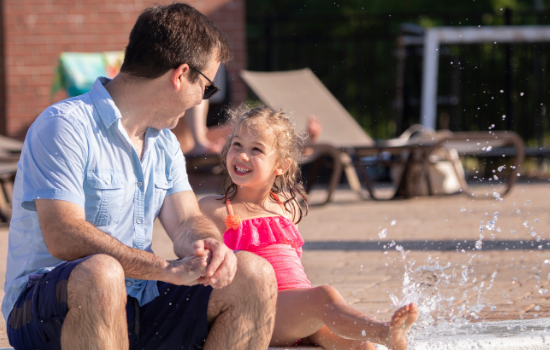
[[255, 270], [98, 273]]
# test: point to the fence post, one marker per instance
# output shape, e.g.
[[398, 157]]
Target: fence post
[[509, 76]]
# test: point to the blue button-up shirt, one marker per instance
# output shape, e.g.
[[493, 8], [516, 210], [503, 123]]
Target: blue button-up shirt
[[78, 151]]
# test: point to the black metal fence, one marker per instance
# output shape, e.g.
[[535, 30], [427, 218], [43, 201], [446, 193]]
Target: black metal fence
[[355, 57]]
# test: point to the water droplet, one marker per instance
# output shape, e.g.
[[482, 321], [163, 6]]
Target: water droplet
[[500, 168], [479, 243], [383, 233], [462, 210], [503, 116], [521, 93], [363, 333], [393, 222]]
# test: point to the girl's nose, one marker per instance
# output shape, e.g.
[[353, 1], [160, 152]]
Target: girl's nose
[[243, 156]]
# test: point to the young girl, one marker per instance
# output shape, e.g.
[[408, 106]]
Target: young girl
[[258, 213]]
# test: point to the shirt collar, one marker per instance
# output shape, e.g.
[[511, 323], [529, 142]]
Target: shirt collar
[[106, 108]]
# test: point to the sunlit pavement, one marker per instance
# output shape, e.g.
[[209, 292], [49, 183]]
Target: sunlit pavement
[[367, 275]]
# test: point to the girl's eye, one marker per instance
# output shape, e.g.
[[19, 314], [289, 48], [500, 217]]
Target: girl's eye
[[257, 149], [236, 143]]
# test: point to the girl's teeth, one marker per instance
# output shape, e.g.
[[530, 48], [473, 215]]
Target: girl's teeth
[[242, 170]]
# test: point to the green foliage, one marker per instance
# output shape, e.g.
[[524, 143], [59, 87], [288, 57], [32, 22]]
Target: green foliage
[[351, 46], [347, 7]]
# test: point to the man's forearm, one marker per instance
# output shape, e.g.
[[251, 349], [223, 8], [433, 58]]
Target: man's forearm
[[81, 239], [193, 229]]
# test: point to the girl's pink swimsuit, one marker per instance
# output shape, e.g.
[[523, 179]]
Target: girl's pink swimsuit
[[274, 238]]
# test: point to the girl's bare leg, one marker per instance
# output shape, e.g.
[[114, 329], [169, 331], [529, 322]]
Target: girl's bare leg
[[302, 313], [331, 341]]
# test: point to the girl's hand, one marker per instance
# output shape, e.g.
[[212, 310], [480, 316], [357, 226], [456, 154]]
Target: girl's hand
[[221, 267]]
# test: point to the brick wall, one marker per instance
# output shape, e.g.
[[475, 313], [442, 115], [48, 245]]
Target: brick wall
[[37, 31]]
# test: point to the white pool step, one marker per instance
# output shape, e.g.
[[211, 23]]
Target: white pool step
[[504, 335]]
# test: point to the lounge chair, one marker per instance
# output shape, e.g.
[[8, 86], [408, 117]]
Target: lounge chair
[[10, 150], [345, 141]]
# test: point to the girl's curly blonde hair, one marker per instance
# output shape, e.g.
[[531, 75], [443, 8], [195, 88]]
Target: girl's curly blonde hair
[[289, 145]]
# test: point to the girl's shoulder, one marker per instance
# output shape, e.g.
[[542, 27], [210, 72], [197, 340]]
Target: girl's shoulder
[[215, 209], [292, 208], [212, 204]]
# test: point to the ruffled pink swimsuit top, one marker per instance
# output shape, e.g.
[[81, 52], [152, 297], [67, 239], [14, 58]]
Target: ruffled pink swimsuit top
[[274, 238]]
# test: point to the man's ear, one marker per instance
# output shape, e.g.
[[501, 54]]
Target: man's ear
[[282, 168], [179, 76]]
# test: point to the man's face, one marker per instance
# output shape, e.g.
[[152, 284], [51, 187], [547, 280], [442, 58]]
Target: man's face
[[191, 93], [188, 95], [210, 72]]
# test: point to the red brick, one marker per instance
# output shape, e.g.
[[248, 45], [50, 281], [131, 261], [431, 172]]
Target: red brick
[[36, 33]]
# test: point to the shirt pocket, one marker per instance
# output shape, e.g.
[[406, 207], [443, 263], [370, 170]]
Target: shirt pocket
[[162, 185], [104, 196]]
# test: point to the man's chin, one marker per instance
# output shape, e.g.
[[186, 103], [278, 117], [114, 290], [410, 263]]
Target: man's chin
[[174, 123]]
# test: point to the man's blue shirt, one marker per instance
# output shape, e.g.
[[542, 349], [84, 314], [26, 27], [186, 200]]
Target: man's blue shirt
[[78, 151]]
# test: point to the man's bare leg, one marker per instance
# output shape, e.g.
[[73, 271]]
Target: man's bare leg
[[242, 315], [97, 306]]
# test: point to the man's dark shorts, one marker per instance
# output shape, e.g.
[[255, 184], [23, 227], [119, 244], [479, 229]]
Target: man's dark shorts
[[176, 319]]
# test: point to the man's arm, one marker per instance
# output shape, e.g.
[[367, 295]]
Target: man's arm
[[192, 232], [69, 236]]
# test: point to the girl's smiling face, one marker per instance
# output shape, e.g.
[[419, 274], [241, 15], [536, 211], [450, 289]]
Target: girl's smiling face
[[252, 159]]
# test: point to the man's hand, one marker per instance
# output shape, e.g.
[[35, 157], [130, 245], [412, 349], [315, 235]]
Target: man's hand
[[223, 265], [189, 270], [193, 234]]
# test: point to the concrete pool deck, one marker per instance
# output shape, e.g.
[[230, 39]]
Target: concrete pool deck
[[366, 274]]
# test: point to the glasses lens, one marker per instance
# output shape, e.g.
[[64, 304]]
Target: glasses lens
[[209, 91]]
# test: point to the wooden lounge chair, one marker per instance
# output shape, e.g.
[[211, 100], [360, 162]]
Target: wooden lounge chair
[[345, 141], [10, 150]]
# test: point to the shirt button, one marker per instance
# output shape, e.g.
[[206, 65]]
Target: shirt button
[[138, 221], [128, 284], [140, 184]]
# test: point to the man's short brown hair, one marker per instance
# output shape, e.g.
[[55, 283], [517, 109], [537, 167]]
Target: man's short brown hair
[[165, 37]]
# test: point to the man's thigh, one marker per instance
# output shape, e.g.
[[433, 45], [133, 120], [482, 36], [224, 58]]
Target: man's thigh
[[176, 319], [38, 315]]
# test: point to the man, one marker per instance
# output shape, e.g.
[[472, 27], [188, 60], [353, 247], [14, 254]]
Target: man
[[95, 172]]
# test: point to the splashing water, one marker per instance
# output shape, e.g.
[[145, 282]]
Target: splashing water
[[383, 233], [434, 289]]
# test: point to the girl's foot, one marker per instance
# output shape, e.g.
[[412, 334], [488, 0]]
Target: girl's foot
[[400, 323]]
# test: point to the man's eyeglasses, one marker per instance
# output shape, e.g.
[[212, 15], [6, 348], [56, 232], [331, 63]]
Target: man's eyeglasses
[[209, 90]]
